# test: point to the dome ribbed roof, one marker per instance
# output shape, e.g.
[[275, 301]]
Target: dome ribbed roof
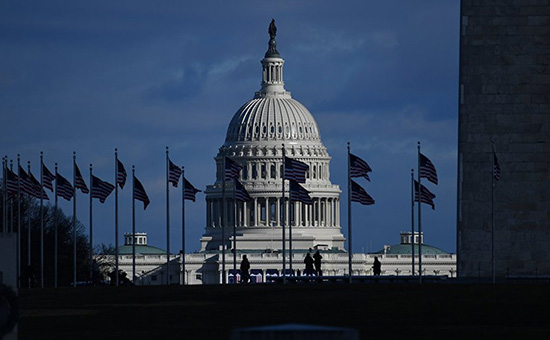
[[273, 118]]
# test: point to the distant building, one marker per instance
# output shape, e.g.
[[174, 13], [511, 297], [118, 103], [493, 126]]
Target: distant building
[[150, 261], [505, 98]]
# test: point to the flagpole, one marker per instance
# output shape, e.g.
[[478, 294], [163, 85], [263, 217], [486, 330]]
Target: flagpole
[[223, 217], [167, 220], [133, 226], [234, 227], [412, 219], [290, 205], [4, 196], [284, 215], [419, 219], [116, 218], [41, 220], [493, 216], [55, 231], [29, 233], [350, 256], [74, 219], [183, 228], [18, 223], [91, 229]]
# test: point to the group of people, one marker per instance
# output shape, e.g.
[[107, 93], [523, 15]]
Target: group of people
[[313, 266], [313, 262]]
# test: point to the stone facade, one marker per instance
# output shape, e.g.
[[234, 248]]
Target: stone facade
[[505, 98]]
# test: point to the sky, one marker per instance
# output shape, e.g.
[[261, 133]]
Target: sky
[[139, 76]]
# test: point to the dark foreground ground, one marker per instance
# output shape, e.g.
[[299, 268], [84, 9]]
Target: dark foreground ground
[[429, 311]]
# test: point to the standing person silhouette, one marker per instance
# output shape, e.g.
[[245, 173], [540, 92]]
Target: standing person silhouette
[[245, 267], [309, 265], [317, 262], [376, 267]]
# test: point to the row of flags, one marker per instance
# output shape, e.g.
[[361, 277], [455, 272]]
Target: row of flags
[[27, 183]]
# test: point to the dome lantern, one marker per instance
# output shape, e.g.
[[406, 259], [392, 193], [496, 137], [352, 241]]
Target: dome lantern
[[272, 68]]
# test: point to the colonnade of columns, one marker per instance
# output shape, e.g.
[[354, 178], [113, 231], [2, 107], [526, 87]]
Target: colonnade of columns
[[324, 212], [273, 73]]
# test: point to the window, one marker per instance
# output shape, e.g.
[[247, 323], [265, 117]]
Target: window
[[273, 171], [153, 277], [254, 171], [272, 211], [262, 211], [245, 172]]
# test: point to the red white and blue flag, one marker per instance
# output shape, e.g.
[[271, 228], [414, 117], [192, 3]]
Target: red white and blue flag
[[427, 169], [121, 174], [174, 173], [189, 191], [63, 188], [140, 194], [47, 178], [38, 190], [496, 168], [79, 182], [100, 189], [241, 194], [299, 194], [426, 195], [358, 194], [12, 181], [295, 170], [26, 185], [232, 169], [358, 167]]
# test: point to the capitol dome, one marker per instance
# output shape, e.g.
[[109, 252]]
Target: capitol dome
[[262, 131], [275, 118]]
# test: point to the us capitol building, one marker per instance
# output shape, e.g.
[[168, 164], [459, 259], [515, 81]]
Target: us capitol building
[[255, 139]]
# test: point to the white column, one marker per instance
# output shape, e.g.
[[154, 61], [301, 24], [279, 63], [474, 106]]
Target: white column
[[278, 209], [267, 212], [256, 212], [246, 214]]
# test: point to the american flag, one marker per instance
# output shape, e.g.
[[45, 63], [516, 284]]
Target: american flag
[[189, 190], [79, 182], [241, 194], [63, 188], [26, 184], [358, 194], [298, 193], [174, 173], [427, 196], [427, 169], [140, 194], [295, 170], [120, 175], [38, 190], [47, 178], [12, 181], [100, 189], [232, 169], [358, 167], [496, 168]]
